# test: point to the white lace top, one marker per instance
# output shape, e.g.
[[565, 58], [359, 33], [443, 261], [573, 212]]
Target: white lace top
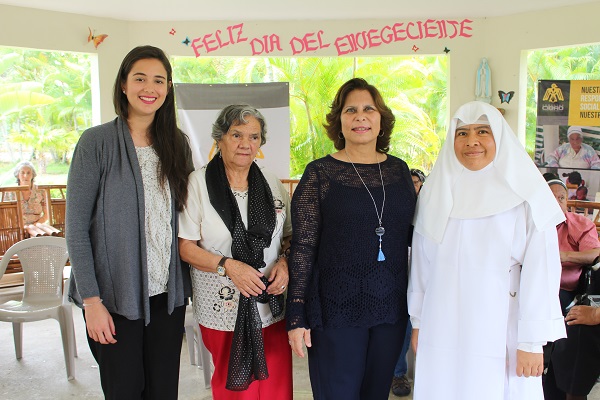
[[216, 298], [158, 221]]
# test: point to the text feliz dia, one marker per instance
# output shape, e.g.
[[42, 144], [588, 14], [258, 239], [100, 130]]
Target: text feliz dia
[[345, 44]]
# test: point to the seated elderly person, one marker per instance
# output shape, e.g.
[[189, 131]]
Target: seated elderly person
[[574, 366], [33, 203], [574, 154], [578, 243]]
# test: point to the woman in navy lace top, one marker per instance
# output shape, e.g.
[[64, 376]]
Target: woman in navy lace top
[[352, 213]]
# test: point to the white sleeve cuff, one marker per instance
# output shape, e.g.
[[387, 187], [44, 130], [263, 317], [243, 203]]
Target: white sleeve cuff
[[415, 322], [532, 347]]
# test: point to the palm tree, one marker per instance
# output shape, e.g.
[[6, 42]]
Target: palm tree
[[45, 100], [567, 63], [17, 100], [414, 87]]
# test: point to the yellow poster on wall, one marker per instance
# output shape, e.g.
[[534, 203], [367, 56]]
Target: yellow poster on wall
[[584, 104], [567, 140]]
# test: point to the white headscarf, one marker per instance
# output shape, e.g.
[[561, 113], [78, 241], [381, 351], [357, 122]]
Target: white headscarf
[[453, 191]]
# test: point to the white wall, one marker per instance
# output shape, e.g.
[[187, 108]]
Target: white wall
[[502, 40]]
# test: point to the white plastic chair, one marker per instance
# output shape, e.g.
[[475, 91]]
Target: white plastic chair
[[199, 354], [43, 260]]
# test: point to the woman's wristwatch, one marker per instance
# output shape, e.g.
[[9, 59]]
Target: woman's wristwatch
[[285, 254], [221, 266]]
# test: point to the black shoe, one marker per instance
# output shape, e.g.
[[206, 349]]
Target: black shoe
[[401, 386]]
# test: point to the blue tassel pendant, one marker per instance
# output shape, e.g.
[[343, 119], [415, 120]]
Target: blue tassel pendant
[[380, 257]]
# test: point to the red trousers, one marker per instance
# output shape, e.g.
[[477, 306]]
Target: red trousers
[[279, 363]]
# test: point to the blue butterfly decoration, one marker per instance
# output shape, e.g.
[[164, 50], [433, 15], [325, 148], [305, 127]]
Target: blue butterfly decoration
[[505, 97]]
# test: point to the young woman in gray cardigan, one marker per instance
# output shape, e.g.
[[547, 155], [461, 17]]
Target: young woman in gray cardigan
[[126, 185]]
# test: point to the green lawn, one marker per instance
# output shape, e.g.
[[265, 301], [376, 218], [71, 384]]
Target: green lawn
[[56, 174]]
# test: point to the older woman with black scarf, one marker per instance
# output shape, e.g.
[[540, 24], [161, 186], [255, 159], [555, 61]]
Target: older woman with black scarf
[[235, 231]]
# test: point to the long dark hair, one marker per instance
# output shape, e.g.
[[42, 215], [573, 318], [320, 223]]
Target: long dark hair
[[169, 142], [334, 121]]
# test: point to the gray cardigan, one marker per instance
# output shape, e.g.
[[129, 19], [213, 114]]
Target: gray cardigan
[[105, 226]]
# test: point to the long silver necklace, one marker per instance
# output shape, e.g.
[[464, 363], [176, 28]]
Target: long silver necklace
[[379, 230]]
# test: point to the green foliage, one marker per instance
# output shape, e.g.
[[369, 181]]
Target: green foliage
[[569, 63], [45, 101], [56, 174], [57, 169], [21, 100], [415, 88]]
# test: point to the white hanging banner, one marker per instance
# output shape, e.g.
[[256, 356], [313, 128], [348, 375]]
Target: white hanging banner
[[198, 106]]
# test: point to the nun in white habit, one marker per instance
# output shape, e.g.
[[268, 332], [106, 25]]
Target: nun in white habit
[[483, 290]]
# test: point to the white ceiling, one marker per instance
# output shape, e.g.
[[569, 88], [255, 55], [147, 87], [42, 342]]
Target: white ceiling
[[248, 10]]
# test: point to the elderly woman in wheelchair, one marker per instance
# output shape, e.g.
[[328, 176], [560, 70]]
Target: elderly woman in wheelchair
[[573, 366]]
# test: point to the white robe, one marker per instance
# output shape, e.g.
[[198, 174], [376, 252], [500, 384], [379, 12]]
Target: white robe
[[460, 297]]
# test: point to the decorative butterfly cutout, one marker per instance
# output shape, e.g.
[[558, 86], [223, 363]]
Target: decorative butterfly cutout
[[96, 39], [505, 97]]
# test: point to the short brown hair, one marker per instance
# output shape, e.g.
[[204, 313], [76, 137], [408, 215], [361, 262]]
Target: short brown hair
[[333, 126]]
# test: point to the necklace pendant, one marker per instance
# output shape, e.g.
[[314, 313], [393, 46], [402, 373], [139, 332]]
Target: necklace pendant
[[379, 231], [380, 255]]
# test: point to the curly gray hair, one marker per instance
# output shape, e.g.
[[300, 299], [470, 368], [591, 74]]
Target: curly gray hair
[[20, 166], [236, 114]]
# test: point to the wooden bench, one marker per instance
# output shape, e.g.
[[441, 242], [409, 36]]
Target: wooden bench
[[12, 229], [11, 217], [290, 184], [587, 208], [11, 222], [57, 205]]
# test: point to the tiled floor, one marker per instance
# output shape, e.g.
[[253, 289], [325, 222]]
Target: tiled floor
[[41, 375]]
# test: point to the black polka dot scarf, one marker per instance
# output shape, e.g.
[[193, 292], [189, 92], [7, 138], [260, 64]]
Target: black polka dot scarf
[[247, 360]]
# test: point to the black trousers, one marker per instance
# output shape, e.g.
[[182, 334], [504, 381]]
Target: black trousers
[[144, 363], [354, 363], [573, 361]]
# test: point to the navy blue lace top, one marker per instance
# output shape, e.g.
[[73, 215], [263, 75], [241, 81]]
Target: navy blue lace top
[[335, 278]]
